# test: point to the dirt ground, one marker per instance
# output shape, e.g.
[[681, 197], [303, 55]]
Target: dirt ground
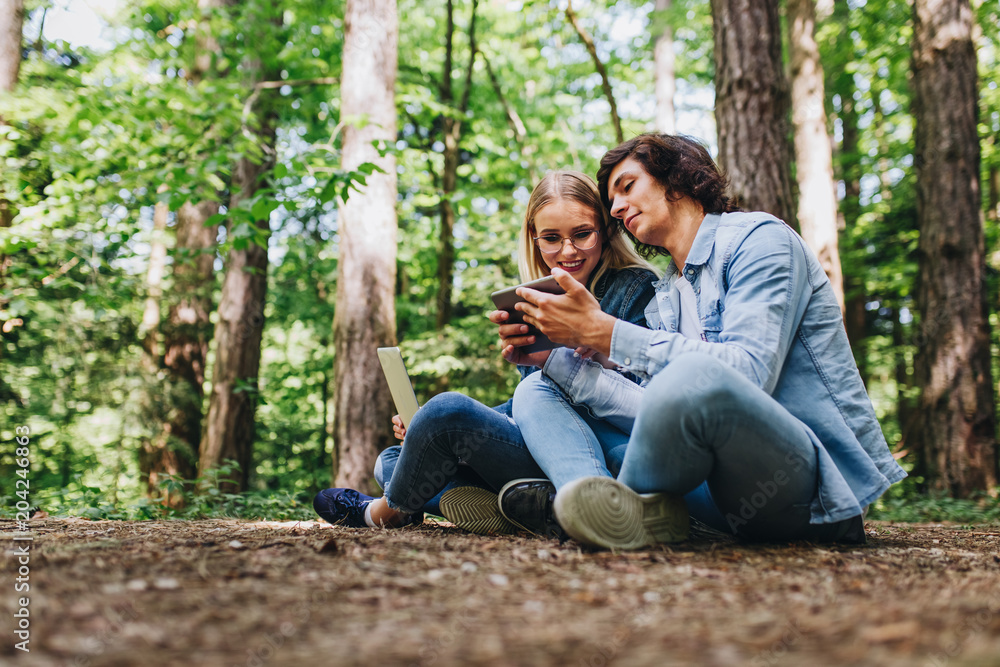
[[228, 592]]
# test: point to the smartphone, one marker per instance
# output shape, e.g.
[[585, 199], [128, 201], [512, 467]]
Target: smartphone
[[506, 298]]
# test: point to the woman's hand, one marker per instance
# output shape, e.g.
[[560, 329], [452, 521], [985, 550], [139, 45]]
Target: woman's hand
[[513, 337], [398, 429], [573, 319]]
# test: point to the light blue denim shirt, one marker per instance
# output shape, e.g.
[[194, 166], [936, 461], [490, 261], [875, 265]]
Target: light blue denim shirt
[[767, 309]]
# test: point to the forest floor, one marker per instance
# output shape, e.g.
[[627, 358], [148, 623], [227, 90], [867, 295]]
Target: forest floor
[[233, 592]]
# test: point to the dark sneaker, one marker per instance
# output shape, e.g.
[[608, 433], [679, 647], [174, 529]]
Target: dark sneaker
[[346, 507], [527, 503], [342, 507], [475, 509], [603, 512]]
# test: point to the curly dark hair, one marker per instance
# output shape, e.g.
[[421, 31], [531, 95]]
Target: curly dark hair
[[681, 164]]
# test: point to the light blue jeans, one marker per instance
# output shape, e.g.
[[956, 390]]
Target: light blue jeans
[[570, 441], [744, 464]]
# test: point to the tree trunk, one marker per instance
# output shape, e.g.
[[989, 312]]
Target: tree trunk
[[179, 346], [229, 427], [817, 211], [666, 75], [365, 313], [155, 449], [188, 329], [11, 22], [751, 105], [955, 429], [452, 129]]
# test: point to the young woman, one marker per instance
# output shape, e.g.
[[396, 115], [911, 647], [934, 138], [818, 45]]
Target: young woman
[[456, 440]]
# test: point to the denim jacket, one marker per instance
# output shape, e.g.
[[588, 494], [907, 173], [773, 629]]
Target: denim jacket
[[623, 293], [767, 309]]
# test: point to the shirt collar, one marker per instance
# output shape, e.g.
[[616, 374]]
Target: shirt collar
[[704, 240]]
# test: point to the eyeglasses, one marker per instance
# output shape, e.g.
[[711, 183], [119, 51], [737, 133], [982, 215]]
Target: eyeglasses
[[584, 239]]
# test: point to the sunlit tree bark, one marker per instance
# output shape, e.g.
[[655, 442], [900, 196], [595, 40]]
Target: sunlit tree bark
[[751, 105], [817, 210], [11, 21], [664, 62], [954, 429], [366, 315]]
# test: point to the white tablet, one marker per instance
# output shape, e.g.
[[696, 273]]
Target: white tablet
[[399, 383]]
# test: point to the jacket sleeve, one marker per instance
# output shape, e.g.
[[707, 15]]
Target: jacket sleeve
[[767, 283]]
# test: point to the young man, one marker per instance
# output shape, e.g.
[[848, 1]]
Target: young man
[[751, 388]]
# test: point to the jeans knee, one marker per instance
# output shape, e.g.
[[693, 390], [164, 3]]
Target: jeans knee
[[530, 390], [692, 379], [449, 404]]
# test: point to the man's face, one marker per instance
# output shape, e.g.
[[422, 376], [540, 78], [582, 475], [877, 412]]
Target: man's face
[[640, 202]]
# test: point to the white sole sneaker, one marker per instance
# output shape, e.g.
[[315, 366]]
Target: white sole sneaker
[[603, 512], [476, 510]]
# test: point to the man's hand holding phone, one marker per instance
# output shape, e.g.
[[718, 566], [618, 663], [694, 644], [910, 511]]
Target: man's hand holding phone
[[573, 319]]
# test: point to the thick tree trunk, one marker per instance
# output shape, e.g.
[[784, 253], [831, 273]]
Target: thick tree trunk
[[229, 426], [817, 211], [751, 105], [11, 22], [666, 75], [366, 314], [955, 429]]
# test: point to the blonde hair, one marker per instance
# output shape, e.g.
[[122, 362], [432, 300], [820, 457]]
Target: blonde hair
[[616, 250]]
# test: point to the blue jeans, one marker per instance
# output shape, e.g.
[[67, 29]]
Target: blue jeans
[[453, 439], [572, 441], [743, 462]]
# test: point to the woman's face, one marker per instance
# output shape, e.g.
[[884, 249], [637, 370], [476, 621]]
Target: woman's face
[[565, 219]]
